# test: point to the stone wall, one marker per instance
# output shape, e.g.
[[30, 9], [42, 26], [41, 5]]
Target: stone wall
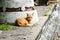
[[16, 3], [51, 28]]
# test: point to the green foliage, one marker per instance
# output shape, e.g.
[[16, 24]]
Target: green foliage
[[5, 27], [45, 14], [52, 2]]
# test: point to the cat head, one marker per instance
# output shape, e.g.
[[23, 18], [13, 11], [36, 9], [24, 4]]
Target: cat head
[[29, 16]]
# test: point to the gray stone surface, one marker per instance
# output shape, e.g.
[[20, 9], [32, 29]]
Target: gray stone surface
[[58, 21], [16, 3], [49, 30]]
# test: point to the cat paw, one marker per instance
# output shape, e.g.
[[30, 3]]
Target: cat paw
[[30, 24]]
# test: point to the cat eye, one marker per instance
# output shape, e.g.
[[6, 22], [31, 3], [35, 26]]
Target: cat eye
[[29, 17]]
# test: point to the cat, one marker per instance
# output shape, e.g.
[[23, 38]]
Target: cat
[[25, 21]]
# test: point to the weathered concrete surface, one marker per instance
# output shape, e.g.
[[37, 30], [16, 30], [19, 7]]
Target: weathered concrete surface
[[58, 20], [49, 30]]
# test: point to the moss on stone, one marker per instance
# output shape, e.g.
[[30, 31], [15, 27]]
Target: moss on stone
[[45, 14], [5, 27]]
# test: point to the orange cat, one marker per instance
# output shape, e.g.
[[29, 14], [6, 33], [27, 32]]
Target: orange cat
[[24, 21]]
